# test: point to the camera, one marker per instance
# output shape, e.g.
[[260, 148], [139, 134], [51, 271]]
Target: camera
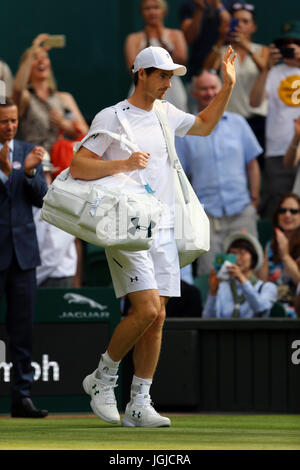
[[283, 46], [287, 52]]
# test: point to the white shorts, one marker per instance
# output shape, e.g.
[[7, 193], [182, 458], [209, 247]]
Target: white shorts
[[156, 268]]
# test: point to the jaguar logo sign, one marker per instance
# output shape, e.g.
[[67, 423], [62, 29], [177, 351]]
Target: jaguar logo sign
[[72, 298], [93, 310]]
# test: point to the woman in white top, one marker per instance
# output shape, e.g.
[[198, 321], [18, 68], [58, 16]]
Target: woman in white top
[[251, 59], [156, 34]]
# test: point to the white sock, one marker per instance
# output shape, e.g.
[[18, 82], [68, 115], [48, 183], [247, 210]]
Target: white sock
[[140, 386], [107, 366]]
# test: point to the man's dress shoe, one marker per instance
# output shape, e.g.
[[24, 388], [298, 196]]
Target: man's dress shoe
[[24, 408]]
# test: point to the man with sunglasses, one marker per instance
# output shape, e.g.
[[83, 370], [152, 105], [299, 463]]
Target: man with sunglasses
[[280, 82]]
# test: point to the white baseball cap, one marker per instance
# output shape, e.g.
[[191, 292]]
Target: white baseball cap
[[159, 58]]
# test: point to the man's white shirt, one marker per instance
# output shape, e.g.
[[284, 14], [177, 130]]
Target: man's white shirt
[[149, 138], [3, 177]]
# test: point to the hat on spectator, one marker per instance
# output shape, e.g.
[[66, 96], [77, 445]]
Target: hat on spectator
[[159, 58], [253, 241], [290, 29]]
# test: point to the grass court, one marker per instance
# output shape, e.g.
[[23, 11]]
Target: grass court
[[188, 432]]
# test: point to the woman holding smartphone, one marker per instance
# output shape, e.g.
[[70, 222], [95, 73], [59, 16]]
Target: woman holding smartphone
[[45, 114], [243, 295], [251, 59]]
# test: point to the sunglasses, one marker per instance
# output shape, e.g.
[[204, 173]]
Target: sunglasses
[[243, 6], [284, 210]]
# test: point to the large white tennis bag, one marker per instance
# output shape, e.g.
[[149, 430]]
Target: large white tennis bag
[[111, 211]]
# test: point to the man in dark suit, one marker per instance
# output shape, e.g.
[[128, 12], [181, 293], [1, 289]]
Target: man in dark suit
[[22, 185]]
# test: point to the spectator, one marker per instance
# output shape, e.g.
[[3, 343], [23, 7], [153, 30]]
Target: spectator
[[22, 185], [221, 167], [45, 113], [7, 78], [278, 82], [243, 295], [292, 155], [58, 255], [200, 22], [156, 34], [251, 59], [46, 116], [282, 253]]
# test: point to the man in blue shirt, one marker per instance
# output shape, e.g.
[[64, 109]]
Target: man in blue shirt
[[223, 169]]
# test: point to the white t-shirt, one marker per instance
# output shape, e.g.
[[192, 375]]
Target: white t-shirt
[[149, 138], [246, 74], [57, 251], [284, 106]]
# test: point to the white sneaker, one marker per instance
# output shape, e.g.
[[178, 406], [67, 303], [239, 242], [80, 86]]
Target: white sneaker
[[140, 413], [103, 401]]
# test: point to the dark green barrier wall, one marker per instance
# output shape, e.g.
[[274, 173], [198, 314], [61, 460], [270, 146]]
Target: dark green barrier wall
[[72, 328], [92, 65], [228, 365]]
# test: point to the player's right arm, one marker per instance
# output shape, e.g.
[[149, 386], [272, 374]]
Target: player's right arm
[[87, 166]]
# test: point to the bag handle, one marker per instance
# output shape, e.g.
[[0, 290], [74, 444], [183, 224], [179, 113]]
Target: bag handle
[[124, 142]]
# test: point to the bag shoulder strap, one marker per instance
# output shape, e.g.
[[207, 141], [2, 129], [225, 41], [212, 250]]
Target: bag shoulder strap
[[162, 117], [124, 142], [120, 111]]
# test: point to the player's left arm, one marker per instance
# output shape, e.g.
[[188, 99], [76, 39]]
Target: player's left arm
[[207, 119]]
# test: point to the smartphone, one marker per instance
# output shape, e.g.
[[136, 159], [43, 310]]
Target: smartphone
[[233, 25], [55, 40], [220, 259]]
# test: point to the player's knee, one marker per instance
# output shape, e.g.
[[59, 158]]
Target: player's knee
[[147, 312], [161, 316], [151, 313]]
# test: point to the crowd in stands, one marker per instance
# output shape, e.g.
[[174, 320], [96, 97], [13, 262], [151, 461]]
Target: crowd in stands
[[247, 170]]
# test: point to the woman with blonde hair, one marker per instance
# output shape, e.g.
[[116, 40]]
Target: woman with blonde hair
[[45, 113], [156, 34], [45, 116]]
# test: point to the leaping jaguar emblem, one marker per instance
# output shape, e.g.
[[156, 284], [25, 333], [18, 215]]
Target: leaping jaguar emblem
[[72, 298]]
